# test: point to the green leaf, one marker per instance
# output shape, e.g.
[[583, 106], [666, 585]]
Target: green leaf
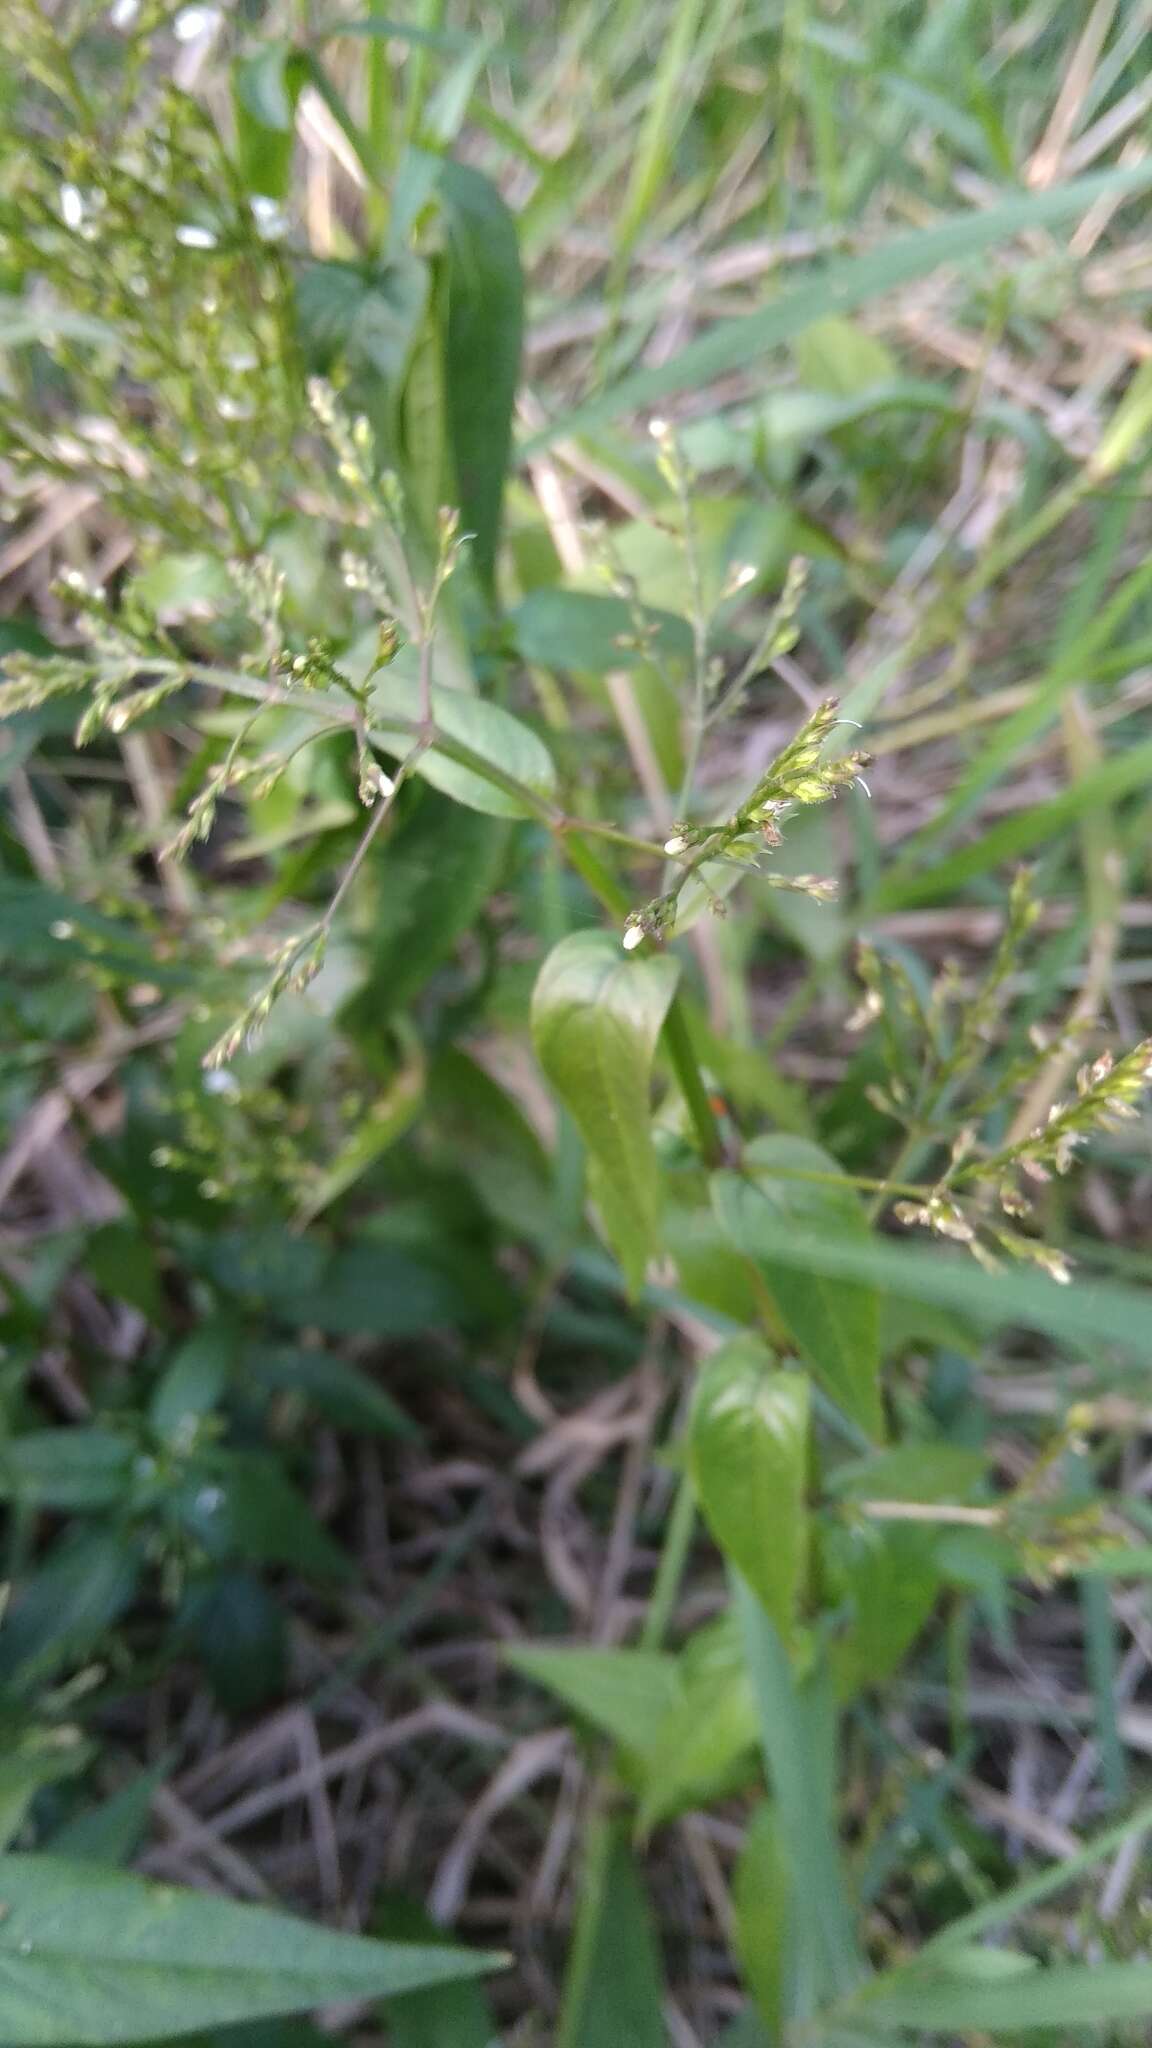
[[66, 1468], [916, 1472], [193, 1383], [482, 340], [748, 1452], [38, 1757], [702, 1748], [731, 345], [121, 1262], [1087, 1311], [835, 1323], [579, 629], [1062, 1997], [888, 1578], [443, 863], [1035, 825], [240, 1504], [625, 1693], [613, 1993], [502, 744], [265, 88], [368, 316], [761, 1902], [383, 1123], [60, 1613], [485, 1135], [91, 1957], [240, 1634], [797, 1734], [111, 1831], [443, 2015], [842, 358], [339, 1390], [596, 1016]]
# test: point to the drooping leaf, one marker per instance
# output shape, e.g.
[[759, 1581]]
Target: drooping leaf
[[482, 352], [596, 1017], [92, 1957], [748, 1448], [836, 1323]]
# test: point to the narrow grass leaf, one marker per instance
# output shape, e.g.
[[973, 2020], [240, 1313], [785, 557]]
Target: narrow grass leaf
[[482, 341], [732, 344]]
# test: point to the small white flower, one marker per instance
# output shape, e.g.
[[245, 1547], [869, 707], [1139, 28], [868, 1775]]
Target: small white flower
[[677, 844], [191, 237], [72, 206], [633, 937]]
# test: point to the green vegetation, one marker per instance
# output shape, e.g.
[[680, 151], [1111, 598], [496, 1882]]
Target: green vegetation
[[574, 1288]]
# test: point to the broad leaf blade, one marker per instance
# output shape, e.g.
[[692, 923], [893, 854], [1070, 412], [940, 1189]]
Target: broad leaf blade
[[90, 1957], [835, 1322], [596, 1017], [748, 1448]]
